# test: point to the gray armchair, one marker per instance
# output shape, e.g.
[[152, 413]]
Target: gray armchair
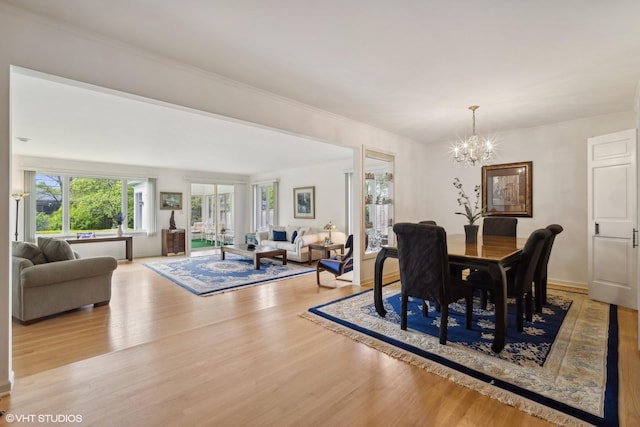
[[43, 283]]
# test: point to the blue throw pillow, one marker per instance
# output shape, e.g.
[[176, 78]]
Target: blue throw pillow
[[279, 236], [293, 236]]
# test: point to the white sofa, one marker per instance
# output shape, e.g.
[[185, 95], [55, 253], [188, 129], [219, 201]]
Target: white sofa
[[298, 250]]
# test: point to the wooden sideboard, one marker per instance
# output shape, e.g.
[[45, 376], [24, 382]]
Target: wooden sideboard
[[173, 241]]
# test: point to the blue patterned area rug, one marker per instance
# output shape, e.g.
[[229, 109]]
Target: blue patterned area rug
[[562, 368], [208, 275]]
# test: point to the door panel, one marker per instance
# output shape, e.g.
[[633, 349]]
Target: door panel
[[612, 202]]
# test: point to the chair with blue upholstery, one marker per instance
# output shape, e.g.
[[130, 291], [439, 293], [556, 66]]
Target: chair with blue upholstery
[[339, 264]]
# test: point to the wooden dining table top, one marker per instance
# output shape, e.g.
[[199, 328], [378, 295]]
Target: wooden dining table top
[[487, 248]]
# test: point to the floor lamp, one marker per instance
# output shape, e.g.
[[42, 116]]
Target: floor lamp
[[17, 197]]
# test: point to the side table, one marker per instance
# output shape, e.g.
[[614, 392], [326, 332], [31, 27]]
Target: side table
[[326, 249]]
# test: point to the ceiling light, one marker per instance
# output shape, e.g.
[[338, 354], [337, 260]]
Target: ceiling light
[[473, 150]]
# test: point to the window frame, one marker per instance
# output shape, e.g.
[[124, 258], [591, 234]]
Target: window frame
[[270, 220], [144, 203]]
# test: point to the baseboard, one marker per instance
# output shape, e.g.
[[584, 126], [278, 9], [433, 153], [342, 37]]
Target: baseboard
[[568, 284], [7, 387], [386, 279]]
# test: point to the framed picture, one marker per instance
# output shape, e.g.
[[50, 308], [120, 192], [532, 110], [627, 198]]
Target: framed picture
[[506, 190], [304, 202], [171, 201]]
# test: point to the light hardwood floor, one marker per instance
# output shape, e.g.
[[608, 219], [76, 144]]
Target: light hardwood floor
[[158, 355]]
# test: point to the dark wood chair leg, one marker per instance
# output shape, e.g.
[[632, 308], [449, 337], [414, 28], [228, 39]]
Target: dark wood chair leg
[[425, 308], [469, 311], [444, 320], [520, 313], [529, 307], [484, 299]]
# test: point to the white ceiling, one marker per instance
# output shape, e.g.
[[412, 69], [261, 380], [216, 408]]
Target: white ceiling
[[65, 119], [411, 67]]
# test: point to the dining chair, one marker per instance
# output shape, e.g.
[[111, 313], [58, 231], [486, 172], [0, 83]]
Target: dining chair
[[493, 226], [540, 276], [424, 272], [519, 283], [430, 222], [339, 264]]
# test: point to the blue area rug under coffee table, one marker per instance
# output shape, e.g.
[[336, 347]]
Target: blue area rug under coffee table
[[562, 368], [208, 275]]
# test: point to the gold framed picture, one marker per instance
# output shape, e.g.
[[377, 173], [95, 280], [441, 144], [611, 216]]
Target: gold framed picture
[[507, 190], [170, 201]]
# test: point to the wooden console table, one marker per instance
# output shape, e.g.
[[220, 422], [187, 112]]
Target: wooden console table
[[128, 242]]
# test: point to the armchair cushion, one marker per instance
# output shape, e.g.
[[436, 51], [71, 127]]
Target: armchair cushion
[[55, 249], [28, 250]]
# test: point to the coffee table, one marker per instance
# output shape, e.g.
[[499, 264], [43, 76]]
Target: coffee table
[[256, 253]]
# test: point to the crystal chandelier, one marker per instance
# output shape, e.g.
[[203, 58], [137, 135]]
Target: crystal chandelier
[[473, 150]]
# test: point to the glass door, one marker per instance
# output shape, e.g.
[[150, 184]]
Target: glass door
[[378, 201], [212, 207]]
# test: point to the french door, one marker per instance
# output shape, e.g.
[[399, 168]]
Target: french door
[[212, 212]]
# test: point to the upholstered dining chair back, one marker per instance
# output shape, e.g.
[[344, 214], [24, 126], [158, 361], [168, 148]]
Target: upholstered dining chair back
[[519, 283], [424, 271], [540, 276], [430, 222], [493, 226]]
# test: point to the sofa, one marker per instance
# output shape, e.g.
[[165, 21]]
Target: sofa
[[296, 240], [49, 278]]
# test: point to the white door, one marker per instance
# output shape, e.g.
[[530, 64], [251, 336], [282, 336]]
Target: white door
[[612, 218]]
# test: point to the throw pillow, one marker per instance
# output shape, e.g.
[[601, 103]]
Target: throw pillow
[[28, 250], [293, 236], [274, 228], [55, 249], [279, 236]]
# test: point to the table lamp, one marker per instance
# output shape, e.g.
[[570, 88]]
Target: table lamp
[[330, 227]]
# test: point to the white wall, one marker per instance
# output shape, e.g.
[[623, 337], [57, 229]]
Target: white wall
[[329, 183], [559, 155]]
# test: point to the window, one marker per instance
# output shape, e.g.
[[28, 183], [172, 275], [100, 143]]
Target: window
[[67, 204], [265, 205]]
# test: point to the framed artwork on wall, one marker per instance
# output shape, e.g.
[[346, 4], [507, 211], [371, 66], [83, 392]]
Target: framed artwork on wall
[[507, 190], [304, 202], [170, 201]]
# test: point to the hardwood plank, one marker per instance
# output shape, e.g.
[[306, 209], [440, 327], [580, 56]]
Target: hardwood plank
[[159, 355]]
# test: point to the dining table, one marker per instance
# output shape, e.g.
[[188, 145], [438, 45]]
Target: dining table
[[493, 254]]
